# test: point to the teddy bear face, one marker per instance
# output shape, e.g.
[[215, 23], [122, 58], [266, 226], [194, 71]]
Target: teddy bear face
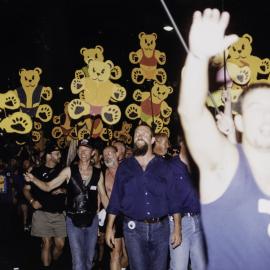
[[148, 43], [30, 78], [160, 92], [241, 49], [92, 54], [127, 128], [100, 71]]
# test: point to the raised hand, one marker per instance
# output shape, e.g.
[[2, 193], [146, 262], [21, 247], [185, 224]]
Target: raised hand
[[207, 34]]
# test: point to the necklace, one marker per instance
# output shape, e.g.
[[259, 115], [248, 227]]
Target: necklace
[[86, 174]]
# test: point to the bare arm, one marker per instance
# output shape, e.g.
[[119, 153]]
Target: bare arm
[[206, 39], [102, 192], [176, 238], [27, 193], [63, 176], [110, 240]]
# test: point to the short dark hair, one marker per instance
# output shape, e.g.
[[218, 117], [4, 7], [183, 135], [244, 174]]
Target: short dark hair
[[51, 146], [161, 135]]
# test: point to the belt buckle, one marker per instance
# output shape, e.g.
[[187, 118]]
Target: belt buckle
[[152, 220]]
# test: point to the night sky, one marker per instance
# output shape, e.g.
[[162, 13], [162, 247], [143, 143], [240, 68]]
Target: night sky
[[49, 34]]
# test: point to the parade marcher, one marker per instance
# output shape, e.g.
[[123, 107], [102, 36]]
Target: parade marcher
[[119, 258], [161, 145], [121, 150], [84, 183], [192, 249], [144, 192], [234, 178], [48, 219]]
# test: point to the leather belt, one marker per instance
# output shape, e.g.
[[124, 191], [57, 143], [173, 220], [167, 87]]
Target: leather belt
[[153, 220], [149, 220]]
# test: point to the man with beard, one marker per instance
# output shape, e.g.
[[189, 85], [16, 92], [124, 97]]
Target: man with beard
[[144, 192], [118, 252]]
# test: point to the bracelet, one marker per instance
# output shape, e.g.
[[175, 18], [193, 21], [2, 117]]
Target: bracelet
[[31, 201]]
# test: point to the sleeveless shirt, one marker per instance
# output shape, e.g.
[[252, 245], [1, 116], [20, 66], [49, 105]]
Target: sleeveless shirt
[[237, 225], [81, 198]]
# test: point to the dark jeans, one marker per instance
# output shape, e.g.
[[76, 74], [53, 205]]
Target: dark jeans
[[82, 243], [147, 244]]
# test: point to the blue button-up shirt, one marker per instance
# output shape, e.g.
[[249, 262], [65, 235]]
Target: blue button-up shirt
[[141, 194], [188, 196]]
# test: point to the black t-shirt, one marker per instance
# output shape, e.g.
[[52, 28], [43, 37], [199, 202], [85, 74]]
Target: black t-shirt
[[50, 203]]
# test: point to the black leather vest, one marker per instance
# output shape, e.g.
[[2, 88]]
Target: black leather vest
[[81, 198]]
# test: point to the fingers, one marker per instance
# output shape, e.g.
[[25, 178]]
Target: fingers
[[224, 19], [197, 16], [172, 241], [207, 13], [28, 177], [175, 242], [110, 240], [214, 15], [111, 243]]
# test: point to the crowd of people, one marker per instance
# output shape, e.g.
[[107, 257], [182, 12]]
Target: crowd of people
[[143, 204], [91, 182], [56, 202]]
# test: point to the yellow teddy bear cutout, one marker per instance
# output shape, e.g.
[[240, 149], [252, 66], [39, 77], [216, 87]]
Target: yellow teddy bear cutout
[[96, 91], [91, 54], [239, 53], [124, 133], [242, 69], [148, 58], [94, 129], [63, 131], [30, 94], [153, 107]]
